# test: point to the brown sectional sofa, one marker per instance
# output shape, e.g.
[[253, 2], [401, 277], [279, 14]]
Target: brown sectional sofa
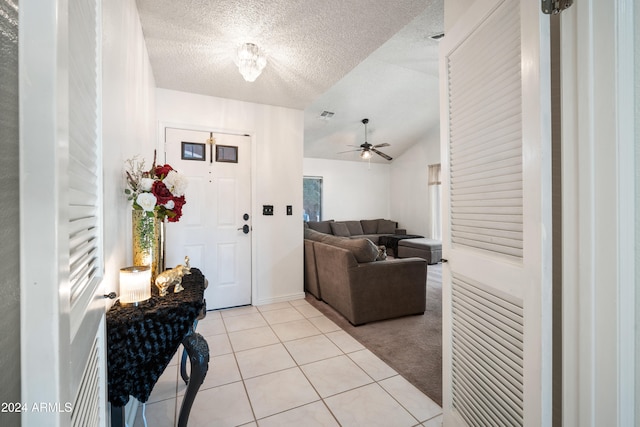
[[370, 229], [345, 274]]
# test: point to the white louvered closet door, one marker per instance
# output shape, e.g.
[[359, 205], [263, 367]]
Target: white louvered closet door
[[497, 216], [63, 381]]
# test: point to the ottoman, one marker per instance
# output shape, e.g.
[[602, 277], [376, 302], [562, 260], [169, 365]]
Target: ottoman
[[428, 249]]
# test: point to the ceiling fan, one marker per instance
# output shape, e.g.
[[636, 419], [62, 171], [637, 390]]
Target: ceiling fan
[[366, 149]]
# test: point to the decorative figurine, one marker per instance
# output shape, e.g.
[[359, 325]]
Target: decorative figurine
[[173, 276]]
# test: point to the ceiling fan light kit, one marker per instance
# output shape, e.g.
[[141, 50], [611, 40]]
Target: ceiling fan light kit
[[250, 60], [366, 149]]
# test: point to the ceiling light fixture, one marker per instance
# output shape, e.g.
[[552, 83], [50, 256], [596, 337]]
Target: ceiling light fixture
[[366, 154], [250, 60]]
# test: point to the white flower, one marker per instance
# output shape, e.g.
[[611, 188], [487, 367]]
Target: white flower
[[170, 204], [147, 201], [176, 183], [145, 184]]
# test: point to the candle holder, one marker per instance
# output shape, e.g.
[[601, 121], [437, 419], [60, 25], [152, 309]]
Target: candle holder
[[135, 285]]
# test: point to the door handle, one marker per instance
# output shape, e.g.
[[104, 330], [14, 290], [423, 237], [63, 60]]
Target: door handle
[[244, 228]]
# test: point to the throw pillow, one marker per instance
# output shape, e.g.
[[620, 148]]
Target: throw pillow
[[386, 226], [340, 229], [382, 253], [364, 250], [369, 226], [355, 229]]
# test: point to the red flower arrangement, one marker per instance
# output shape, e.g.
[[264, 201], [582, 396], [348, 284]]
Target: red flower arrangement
[[158, 191]]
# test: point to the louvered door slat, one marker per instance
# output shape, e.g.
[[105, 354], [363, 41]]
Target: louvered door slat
[[480, 113], [487, 353], [503, 370]]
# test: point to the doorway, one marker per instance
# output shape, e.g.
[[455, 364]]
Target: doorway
[[215, 228]]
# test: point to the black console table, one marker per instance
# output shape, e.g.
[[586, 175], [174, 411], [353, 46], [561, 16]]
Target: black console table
[[142, 340]]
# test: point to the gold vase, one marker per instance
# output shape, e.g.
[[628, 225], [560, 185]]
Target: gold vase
[[148, 242]]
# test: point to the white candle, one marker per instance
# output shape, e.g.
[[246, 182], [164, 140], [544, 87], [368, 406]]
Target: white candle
[[135, 284]]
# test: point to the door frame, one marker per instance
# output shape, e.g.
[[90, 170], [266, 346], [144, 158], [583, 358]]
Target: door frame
[[599, 231], [254, 212]]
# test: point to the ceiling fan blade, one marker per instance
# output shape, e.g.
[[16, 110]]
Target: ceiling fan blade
[[384, 144], [381, 154], [348, 151]]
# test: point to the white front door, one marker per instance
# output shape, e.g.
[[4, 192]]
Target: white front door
[[215, 228], [496, 146]]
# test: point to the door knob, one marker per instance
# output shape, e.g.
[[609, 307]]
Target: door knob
[[244, 228]]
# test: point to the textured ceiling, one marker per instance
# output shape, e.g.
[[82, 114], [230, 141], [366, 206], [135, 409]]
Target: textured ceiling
[[362, 58]]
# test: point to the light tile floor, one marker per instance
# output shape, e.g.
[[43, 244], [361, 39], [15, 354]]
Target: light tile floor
[[286, 364]]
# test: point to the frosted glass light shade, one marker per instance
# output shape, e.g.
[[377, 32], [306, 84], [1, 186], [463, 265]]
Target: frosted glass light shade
[[251, 61], [135, 285]]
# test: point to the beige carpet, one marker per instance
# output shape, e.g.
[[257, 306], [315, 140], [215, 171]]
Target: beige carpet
[[411, 345]]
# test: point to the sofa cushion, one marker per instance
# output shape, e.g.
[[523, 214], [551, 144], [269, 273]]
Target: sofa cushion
[[386, 226], [340, 229], [321, 226], [355, 228], [369, 226]]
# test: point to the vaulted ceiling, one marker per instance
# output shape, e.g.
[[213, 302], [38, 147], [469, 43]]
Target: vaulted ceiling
[[358, 59]]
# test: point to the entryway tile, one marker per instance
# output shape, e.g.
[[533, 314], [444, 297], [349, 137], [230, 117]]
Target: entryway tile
[[244, 321], [237, 311], [372, 365], [324, 324], [280, 391], [165, 387], [369, 406], [264, 360], [434, 422], [274, 306], [224, 406], [252, 338], [160, 414], [312, 349], [218, 344], [207, 327], [345, 341], [282, 316], [308, 311], [411, 398], [312, 415], [295, 330], [335, 375]]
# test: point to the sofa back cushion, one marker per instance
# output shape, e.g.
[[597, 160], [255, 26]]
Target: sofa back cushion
[[321, 226], [340, 229], [355, 228], [316, 236], [369, 226], [386, 226]]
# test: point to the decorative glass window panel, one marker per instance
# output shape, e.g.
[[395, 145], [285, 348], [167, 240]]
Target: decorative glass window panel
[[193, 151], [226, 153]]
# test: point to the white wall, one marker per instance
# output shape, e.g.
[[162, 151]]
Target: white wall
[[277, 135], [409, 179], [352, 190], [128, 124]]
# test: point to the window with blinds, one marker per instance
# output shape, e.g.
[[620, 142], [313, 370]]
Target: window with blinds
[[85, 184]]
